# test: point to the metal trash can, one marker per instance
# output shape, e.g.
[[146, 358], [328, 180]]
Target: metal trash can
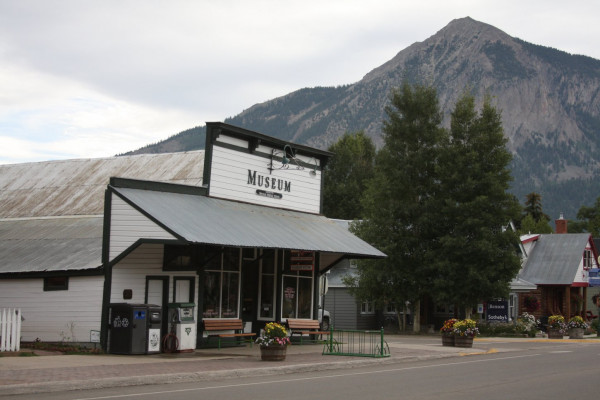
[[154, 329], [130, 326], [183, 325]]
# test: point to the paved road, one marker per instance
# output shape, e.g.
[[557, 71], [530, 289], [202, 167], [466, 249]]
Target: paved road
[[503, 370]]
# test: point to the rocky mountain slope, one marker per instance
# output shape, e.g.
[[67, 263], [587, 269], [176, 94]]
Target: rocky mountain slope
[[550, 103]]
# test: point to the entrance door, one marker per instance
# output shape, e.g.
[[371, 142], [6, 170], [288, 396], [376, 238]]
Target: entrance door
[[249, 292], [157, 292]]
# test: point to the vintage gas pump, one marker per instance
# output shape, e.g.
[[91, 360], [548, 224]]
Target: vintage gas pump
[[183, 325]]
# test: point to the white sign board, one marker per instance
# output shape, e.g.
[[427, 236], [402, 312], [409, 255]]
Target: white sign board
[[258, 178]]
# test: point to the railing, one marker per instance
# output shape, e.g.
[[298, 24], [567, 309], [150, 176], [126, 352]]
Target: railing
[[356, 343], [10, 329]]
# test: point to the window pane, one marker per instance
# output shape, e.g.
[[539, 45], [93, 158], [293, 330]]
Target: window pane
[[211, 294], [231, 259], [230, 295], [268, 262], [213, 260], [56, 283], [304, 298], [266, 296], [177, 257], [288, 308]]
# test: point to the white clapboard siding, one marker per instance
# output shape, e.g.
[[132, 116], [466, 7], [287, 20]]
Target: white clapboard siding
[[53, 316], [131, 273], [127, 225], [229, 180]]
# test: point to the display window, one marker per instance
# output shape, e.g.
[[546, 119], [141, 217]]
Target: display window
[[222, 285]]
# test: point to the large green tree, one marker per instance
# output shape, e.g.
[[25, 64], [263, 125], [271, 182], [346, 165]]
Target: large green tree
[[397, 202], [588, 220], [346, 175], [530, 225], [475, 257]]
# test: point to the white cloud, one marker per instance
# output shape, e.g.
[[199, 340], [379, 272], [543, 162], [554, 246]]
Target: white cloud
[[87, 79]]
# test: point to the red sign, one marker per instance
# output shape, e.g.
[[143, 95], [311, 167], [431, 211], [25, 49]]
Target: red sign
[[302, 260]]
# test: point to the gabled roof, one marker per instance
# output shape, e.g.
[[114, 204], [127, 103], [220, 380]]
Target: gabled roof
[[42, 245], [555, 259], [521, 285], [51, 212]]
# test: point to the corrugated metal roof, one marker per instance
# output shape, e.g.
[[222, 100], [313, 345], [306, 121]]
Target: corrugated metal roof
[[555, 259], [76, 187], [207, 220], [50, 244]]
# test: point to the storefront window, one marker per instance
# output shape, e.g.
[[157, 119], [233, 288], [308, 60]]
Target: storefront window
[[267, 285], [222, 285]]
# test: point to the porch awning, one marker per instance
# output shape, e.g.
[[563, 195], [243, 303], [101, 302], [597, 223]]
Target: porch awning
[[207, 220]]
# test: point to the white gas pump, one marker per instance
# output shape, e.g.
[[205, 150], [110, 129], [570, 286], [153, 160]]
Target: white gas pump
[[183, 325]]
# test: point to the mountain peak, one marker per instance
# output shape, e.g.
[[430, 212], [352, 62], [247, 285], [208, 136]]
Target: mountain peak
[[549, 101]]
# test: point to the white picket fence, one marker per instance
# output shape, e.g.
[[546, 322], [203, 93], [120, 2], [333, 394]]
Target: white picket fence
[[10, 329]]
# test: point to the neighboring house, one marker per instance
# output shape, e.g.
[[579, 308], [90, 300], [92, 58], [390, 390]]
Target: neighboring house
[[347, 312], [51, 229], [558, 264]]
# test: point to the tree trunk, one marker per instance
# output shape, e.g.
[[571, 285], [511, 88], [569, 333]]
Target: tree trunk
[[417, 316]]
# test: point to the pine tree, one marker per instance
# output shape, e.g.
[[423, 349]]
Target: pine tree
[[476, 257], [398, 198]]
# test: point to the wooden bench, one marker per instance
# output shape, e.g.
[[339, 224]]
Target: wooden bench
[[215, 327], [305, 327]]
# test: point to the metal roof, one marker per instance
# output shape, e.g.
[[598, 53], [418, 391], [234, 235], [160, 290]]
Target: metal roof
[[521, 285], [555, 259], [207, 220], [50, 244], [76, 187]]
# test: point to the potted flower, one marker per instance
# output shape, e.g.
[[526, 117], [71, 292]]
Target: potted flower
[[273, 342], [576, 327], [447, 332], [556, 326], [464, 332]]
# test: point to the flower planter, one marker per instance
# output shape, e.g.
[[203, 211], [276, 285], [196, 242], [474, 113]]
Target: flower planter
[[555, 334], [463, 341], [447, 340], [273, 353], [576, 333]]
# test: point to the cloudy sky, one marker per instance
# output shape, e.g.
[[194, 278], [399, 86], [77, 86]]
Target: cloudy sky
[[86, 79]]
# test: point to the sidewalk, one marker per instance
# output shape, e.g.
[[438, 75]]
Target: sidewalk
[[48, 373]]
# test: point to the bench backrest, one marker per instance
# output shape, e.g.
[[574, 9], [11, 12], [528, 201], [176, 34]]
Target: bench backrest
[[211, 324], [303, 324]]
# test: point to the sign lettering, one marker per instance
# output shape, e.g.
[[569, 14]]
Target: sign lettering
[[497, 311], [268, 182]]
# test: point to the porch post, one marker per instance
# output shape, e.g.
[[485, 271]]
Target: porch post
[[568, 300], [584, 309]]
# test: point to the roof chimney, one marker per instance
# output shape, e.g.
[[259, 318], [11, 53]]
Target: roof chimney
[[561, 224]]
